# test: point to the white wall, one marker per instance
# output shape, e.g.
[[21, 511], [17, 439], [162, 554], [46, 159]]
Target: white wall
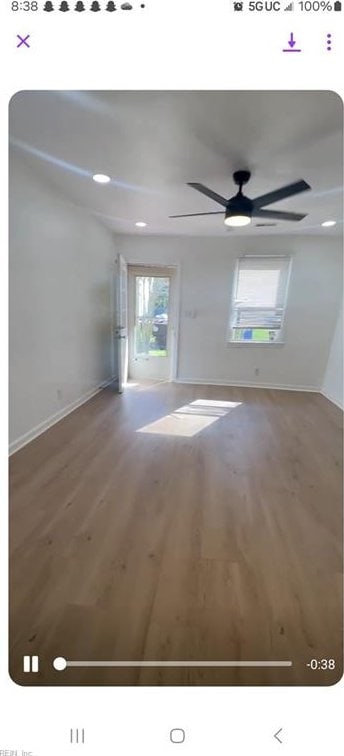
[[61, 283], [333, 379], [207, 268], [61, 265]]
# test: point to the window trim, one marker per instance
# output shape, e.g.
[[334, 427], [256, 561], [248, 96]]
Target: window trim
[[281, 342], [267, 344]]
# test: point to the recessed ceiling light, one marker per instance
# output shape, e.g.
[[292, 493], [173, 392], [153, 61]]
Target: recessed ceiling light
[[101, 178], [329, 223], [141, 224]]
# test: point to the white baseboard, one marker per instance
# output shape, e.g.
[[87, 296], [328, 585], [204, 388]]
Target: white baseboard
[[248, 384], [53, 419], [332, 399]]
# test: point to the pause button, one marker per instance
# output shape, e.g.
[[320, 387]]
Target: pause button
[[30, 664]]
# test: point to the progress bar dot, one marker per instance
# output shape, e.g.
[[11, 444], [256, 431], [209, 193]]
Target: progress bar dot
[[59, 663]]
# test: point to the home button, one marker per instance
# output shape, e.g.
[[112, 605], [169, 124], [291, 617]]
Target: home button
[[177, 735]]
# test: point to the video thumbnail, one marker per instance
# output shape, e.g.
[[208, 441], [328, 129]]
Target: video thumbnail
[[175, 388]]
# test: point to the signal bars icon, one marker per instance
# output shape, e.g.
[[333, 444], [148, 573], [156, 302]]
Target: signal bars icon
[[289, 7]]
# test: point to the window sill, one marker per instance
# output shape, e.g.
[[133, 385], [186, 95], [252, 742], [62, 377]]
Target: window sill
[[256, 343]]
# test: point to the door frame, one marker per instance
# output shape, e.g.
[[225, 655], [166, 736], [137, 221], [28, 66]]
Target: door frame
[[173, 270], [120, 331]]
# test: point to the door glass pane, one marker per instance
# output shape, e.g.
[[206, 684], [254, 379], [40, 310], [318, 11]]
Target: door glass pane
[[151, 315]]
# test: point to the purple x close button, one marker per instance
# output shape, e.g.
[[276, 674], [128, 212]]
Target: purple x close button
[[23, 41]]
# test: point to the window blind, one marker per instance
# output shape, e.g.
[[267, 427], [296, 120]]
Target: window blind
[[260, 292]]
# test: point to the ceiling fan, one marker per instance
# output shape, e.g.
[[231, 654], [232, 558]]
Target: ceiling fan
[[239, 210]]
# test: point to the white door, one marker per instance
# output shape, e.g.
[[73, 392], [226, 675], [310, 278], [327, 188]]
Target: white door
[[121, 324], [151, 322]]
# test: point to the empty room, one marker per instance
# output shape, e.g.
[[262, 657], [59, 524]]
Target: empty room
[[176, 388]]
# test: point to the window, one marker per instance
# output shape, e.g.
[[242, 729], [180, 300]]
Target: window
[[259, 300], [151, 315]]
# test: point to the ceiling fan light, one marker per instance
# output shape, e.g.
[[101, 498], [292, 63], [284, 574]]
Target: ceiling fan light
[[237, 220]]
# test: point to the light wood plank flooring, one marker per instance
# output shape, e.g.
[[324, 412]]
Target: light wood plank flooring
[[214, 544]]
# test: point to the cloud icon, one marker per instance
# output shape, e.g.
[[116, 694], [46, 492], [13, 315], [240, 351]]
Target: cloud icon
[[126, 6]]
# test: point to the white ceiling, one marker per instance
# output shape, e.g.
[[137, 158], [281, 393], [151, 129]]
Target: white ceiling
[[153, 143]]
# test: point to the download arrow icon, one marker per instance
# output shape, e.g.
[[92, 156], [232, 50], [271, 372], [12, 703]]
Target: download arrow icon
[[291, 45]]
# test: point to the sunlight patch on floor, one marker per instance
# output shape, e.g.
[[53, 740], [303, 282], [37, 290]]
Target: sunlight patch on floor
[[190, 419]]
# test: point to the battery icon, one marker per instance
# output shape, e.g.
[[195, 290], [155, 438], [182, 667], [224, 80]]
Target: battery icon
[[337, 6]]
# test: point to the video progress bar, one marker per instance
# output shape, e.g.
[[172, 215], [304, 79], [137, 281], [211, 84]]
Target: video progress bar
[[61, 664]]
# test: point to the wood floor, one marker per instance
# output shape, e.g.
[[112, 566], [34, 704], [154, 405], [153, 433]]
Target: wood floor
[[178, 542]]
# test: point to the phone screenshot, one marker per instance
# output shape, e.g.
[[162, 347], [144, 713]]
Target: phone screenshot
[[172, 331]]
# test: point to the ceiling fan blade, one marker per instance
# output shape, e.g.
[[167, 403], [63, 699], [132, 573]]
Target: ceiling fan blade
[[193, 215], [278, 215], [279, 194], [209, 193]]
